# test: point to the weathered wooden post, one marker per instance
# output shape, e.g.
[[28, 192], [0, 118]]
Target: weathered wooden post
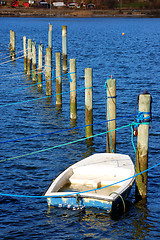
[[73, 93], [111, 114], [12, 49], [29, 57], [58, 80], [40, 65], [142, 145], [34, 62], [25, 52], [88, 102], [10, 45], [50, 36], [48, 73], [64, 48]]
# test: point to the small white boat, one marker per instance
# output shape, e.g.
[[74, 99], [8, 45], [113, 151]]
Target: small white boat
[[96, 181]]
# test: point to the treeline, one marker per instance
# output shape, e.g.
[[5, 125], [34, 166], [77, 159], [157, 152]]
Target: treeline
[[129, 4]]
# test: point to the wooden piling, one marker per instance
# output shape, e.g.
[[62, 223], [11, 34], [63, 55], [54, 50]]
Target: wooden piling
[[12, 45], [29, 57], [58, 80], [73, 93], [34, 63], [111, 114], [40, 65], [25, 52], [142, 146], [88, 102], [48, 73], [64, 48], [50, 36]]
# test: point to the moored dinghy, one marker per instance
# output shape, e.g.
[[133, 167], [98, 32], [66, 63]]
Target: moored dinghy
[[90, 182]]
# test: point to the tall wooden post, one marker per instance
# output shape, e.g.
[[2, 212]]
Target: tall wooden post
[[58, 80], [88, 102], [12, 45], [142, 146], [34, 62], [64, 48], [111, 114], [48, 73], [29, 57], [50, 36], [25, 52], [73, 93], [40, 65]]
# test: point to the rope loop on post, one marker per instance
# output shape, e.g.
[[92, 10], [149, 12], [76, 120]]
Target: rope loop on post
[[140, 119]]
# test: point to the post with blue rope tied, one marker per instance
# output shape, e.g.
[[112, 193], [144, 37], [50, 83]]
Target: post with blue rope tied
[[111, 114], [143, 120]]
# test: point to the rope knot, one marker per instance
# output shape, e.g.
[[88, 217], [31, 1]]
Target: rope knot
[[142, 119]]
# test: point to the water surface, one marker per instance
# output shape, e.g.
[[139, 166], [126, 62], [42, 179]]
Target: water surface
[[133, 60]]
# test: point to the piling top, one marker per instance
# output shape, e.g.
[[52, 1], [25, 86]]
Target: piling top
[[64, 30], [111, 82], [50, 27], [144, 103]]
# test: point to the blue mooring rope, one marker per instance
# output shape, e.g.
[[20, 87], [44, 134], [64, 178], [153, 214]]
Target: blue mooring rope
[[106, 86], [64, 130], [27, 196]]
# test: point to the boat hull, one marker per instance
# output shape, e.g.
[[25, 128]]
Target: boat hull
[[100, 181], [79, 204]]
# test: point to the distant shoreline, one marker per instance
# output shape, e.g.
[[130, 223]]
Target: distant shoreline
[[81, 13]]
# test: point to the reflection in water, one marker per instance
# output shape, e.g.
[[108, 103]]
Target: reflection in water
[[99, 224], [89, 151], [73, 123], [140, 228], [94, 221], [89, 142], [59, 109]]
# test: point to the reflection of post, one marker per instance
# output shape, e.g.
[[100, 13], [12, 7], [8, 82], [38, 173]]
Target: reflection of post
[[73, 95], [88, 102], [142, 146], [64, 48]]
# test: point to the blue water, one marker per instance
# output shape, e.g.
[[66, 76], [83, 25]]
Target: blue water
[[133, 60]]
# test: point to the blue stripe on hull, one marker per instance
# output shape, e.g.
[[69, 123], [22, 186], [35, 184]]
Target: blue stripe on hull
[[71, 203]]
